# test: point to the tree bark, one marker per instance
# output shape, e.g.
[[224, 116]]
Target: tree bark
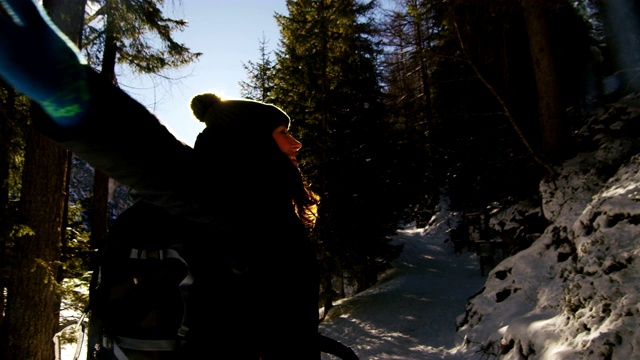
[[32, 303], [555, 135], [100, 200], [7, 136]]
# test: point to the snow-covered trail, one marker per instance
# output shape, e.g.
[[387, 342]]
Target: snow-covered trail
[[411, 313]]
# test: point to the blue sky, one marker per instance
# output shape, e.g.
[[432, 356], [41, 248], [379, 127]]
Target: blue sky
[[228, 34]]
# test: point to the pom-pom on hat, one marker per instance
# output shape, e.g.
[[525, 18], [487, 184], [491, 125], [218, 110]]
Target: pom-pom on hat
[[247, 116]]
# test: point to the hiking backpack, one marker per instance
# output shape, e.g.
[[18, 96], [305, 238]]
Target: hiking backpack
[[138, 299], [139, 294]]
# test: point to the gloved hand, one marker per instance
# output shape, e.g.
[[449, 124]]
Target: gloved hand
[[38, 60]]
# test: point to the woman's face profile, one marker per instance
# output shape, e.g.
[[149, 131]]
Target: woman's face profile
[[287, 143]]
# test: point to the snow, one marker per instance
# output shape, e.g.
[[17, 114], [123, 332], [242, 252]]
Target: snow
[[411, 313], [574, 293]]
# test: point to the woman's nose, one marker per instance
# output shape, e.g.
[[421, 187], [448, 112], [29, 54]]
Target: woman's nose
[[295, 144]]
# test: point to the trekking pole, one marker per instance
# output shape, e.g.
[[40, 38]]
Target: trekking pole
[[79, 327]]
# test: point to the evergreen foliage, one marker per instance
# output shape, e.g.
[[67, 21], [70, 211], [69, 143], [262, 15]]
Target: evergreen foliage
[[261, 75], [328, 81], [142, 34]]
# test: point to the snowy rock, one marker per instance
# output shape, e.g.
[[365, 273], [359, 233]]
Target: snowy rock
[[574, 293]]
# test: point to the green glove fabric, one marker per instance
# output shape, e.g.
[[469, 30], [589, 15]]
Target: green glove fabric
[[39, 61]]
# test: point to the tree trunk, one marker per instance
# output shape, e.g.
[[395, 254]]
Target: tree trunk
[[555, 134], [99, 208], [100, 201], [32, 303], [7, 135], [434, 170]]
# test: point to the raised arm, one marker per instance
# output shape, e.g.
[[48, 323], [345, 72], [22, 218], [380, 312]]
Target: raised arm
[[90, 116], [40, 62]]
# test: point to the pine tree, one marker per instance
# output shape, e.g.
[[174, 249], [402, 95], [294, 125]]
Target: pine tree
[[261, 76], [327, 80], [411, 32]]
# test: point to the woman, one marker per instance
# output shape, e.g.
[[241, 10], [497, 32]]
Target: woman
[[256, 277], [269, 304]]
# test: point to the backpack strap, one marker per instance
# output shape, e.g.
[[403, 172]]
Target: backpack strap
[[172, 252], [143, 345], [184, 288]]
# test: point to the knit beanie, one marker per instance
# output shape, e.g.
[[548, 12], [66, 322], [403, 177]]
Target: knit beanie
[[247, 116]]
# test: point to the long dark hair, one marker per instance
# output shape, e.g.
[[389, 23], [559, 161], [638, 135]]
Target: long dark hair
[[305, 201], [258, 157], [289, 180]]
